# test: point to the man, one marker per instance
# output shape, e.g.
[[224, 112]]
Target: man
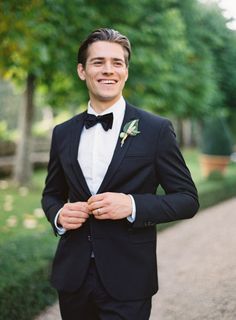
[[100, 194]]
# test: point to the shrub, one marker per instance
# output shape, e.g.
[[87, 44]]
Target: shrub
[[216, 139], [216, 190], [24, 271]]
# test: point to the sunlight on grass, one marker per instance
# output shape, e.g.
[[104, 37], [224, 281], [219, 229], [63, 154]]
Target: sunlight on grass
[[11, 221], [20, 209], [29, 222], [23, 191], [4, 184]]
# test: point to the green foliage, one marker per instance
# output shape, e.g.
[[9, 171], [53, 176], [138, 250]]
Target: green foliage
[[216, 138], [183, 53], [24, 273], [215, 176], [202, 82], [221, 43], [158, 70], [27, 245], [217, 190], [4, 133]]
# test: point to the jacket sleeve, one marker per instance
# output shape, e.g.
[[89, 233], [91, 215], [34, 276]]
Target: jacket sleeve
[[55, 193], [180, 200]]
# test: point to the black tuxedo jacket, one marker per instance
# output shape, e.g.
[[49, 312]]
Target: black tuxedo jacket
[[125, 253]]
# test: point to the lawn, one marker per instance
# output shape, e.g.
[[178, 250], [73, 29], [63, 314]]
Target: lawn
[[20, 209]]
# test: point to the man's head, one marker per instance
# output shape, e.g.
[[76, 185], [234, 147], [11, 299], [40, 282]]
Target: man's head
[[103, 64], [104, 34]]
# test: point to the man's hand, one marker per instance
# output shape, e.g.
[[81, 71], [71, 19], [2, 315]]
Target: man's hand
[[73, 215], [110, 205]]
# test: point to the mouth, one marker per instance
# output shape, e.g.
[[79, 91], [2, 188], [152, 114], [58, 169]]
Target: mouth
[[107, 81]]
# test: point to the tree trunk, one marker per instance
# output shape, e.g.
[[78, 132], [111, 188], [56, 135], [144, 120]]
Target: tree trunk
[[23, 166], [179, 131]]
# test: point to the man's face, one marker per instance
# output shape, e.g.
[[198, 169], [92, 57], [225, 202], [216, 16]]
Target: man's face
[[105, 72]]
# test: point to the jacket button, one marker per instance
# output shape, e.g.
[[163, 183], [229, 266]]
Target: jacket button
[[149, 223], [89, 238]]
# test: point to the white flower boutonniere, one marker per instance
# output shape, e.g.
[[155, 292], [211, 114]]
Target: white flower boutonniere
[[130, 129]]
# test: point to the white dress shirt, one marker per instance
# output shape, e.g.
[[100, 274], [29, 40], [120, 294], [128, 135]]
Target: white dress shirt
[[96, 150]]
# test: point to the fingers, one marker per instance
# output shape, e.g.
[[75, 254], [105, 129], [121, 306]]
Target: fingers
[[98, 203], [97, 197], [100, 213], [103, 206], [72, 223], [110, 205], [98, 209], [77, 206], [73, 215]]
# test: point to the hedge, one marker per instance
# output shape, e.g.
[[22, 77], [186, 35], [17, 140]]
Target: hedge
[[216, 190], [24, 272]]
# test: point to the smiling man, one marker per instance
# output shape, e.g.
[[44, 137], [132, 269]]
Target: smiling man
[[105, 73], [100, 193]]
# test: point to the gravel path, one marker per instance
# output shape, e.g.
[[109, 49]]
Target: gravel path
[[197, 268]]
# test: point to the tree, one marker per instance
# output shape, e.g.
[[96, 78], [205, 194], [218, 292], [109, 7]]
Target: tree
[[179, 65], [222, 45], [37, 38], [20, 56]]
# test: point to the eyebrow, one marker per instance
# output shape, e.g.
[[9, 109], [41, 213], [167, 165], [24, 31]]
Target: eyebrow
[[103, 58]]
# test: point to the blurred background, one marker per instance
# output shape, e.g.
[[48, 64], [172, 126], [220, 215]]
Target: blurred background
[[183, 67]]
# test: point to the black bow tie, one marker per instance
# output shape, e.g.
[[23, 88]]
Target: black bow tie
[[106, 120]]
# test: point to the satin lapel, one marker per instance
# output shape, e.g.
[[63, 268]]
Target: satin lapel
[[119, 152], [75, 138]]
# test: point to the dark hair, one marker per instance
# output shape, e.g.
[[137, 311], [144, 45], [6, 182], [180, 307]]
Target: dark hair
[[104, 34]]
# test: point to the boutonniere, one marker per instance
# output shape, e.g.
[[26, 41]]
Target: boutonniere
[[130, 129]]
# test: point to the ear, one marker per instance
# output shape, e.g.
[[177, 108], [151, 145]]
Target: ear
[[81, 71], [127, 74]]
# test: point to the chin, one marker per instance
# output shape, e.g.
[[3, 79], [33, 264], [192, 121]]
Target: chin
[[109, 98]]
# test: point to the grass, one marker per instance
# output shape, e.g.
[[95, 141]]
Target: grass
[[20, 209]]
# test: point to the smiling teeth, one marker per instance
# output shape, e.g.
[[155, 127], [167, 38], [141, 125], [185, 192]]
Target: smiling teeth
[[108, 81]]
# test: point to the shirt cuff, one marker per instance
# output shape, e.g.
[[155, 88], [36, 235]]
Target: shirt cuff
[[60, 230], [132, 217]]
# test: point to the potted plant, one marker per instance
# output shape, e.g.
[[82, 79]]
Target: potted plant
[[216, 146]]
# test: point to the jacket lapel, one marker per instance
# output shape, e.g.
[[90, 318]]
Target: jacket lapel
[[74, 145], [119, 152]]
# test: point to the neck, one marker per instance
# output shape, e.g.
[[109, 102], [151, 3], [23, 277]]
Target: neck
[[101, 106]]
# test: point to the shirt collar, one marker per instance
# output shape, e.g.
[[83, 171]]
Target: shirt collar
[[118, 109]]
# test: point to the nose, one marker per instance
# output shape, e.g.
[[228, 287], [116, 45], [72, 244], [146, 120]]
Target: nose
[[107, 68]]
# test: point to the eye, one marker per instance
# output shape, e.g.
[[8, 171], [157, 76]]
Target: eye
[[118, 63], [97, 63]]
